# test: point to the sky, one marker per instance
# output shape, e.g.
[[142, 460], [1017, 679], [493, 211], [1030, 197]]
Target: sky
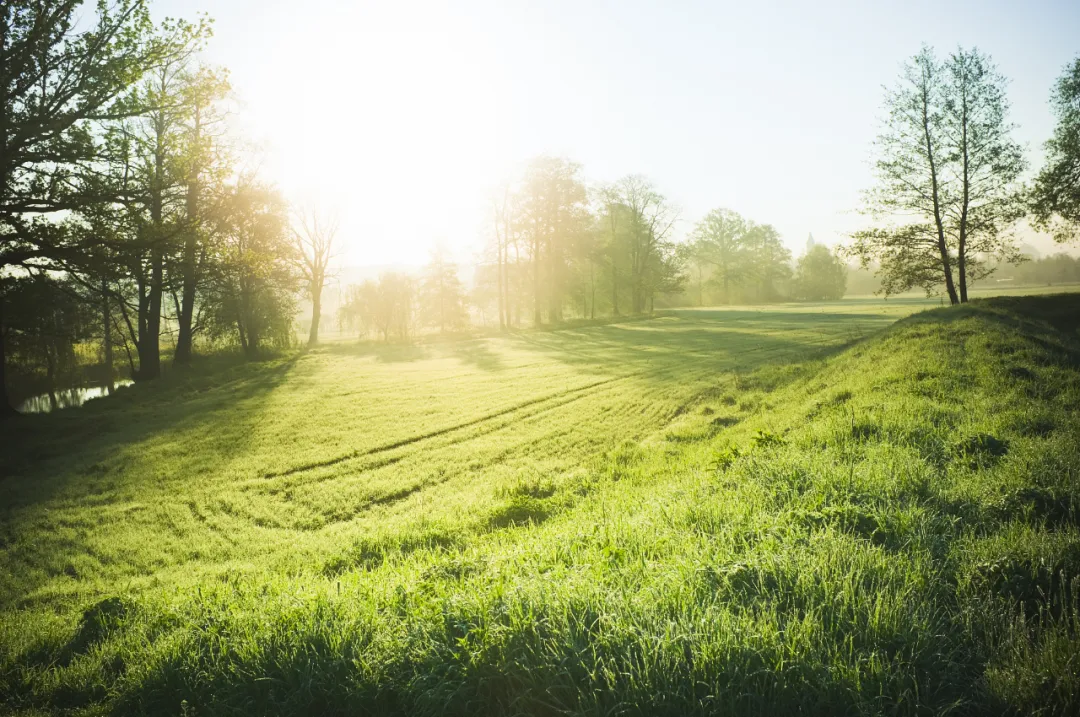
[[402, 116]]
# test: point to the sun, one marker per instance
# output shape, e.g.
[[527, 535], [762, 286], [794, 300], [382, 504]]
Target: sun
[[398, 125]]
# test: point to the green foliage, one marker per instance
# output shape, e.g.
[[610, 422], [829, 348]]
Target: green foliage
[[1056, 194], [898, 533], [744, 261], [820, 275]]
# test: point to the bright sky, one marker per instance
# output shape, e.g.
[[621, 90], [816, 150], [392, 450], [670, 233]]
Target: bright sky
[[404, 113]]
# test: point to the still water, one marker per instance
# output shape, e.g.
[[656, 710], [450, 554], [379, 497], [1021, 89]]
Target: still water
[[67, 398]]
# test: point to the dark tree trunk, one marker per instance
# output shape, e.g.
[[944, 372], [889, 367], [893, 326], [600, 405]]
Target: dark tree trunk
[[50, 375], [106, 323], [184, 335], [6, 409], [149, 341]]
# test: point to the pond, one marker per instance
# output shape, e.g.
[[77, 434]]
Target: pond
[[67, 398]]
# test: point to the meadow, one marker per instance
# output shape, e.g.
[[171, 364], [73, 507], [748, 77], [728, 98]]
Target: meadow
[[858, 507]]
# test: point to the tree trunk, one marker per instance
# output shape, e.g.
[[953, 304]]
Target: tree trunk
[[500, 251], [961, 257], [614, 287], [592, 289], [150, 340], [943, 247], [6, 409], [316, 312], [50, 375], [243, 336], [106, 323], [537, 319], [188, 269]]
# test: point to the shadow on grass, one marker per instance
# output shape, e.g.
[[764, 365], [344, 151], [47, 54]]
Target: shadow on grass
[[49, 451]]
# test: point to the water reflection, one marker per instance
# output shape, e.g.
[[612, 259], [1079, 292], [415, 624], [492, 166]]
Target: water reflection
[[66, 398]]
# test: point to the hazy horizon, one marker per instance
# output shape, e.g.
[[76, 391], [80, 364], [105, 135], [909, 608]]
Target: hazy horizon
[[769, 110]]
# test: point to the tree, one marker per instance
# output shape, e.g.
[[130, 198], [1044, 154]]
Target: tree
[[552, 211], [1056, 194], [769, 261], [254, 287], [503, 220], [614, 222], [946, 171], [54, 81], [314, 248], [202, 163], [162, 192], [820, 275], [719, 240], [442, 297], [651, 218]]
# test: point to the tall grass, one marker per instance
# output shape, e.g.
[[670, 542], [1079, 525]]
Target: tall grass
[[893, 529]]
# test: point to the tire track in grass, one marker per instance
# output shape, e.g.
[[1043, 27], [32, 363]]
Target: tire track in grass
[[313, 465], [438, 432]]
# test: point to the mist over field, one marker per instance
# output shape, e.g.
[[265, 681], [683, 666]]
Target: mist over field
[[552, 359]]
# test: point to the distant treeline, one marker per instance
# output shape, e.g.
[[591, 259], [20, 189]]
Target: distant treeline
[[1059, 268], [560, 250]]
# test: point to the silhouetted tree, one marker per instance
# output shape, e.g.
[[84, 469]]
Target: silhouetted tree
[[55, 80], [203, 163], [946, 158]]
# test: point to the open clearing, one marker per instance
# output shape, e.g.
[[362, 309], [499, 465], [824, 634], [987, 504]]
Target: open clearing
[[738, 509]]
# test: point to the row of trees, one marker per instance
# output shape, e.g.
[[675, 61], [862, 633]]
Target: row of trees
[[555, 244], [728, 260], [396, 303], [948, 194], [559, 246], [125, 207]]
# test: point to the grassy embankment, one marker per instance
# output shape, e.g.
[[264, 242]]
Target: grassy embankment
[[713, 512]]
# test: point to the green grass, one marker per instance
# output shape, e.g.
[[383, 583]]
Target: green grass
[[800, 509]]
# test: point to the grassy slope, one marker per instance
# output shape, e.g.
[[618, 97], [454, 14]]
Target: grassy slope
[[892, 529]]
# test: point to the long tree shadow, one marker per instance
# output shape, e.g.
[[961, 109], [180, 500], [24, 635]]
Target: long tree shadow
[[43, 453], [478, 353], [397, 352], [719, 338]]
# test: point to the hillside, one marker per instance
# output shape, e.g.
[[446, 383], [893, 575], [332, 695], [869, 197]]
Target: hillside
[[737, 513]]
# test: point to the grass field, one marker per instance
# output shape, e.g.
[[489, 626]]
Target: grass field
[[729, 511]]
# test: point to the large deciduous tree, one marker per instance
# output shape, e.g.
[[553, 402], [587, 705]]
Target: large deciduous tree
[[203, 167], [946, 195], [55, 80], [1056, 194]]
